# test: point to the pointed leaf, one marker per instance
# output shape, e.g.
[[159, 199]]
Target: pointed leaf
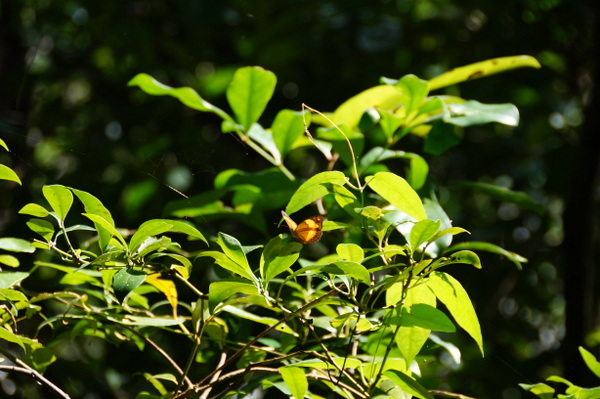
[[126, 280], [60, 199], [398, 193], [34, 210], [590, 361], [414, 91], [277, 258], [452, 294], [16, 245], [186, 95], [296, 380], [146, 230], [10, 279], [7, 173], [314, 188], [422, 232], [287, 128], [481, 69], [489, 247], [249, 92], [108, 226], [408, 384], [384, 96], [220, 291]]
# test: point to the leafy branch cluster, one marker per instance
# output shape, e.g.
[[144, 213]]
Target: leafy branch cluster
[[268, 315]]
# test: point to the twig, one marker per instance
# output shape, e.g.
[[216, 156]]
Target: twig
[[33, 373]]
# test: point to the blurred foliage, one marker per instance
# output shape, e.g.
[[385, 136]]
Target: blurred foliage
[[68, 118]]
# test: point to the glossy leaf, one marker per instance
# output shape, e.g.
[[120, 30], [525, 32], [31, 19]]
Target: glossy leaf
[[296, 381], [423, 316], [282, 327], [266, 140], [10, 337], [148, 229], [60, 199], [590, 361], [482, 69], [384, 96], [287, 128], [408, 384], [7, 173], [16, 245], [108, 226], [186, 95], [422, 232], [489, 247], [475, 113], [249, 92], [278, 257], [126, 280], [220, 291], [313, 189], [451, 293], [350, 252], [233, 250], [10, 279], [398, 193], [413, 92], [34, 210]]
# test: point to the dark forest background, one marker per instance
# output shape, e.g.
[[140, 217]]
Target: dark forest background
[[69, 118]]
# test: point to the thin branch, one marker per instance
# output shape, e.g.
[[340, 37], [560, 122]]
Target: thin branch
[[450, 394], [36, 375]]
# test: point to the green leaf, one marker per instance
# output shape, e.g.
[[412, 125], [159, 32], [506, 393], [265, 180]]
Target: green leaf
[[489, 247], [475, 113], [233, 250], [146, 230], [413, 93], [227, 263], [3, 144], [9, 260], [60, 199], [296, 380], [107, 225], [126, 280], [452, 294], [505, 195], [287, 128], [266, 140], [10, 279], [481, 69], [410, 340], [314, 188], [10, 337], [398, 193], [350, 252], [130, 320], [220, 291], [249, 92], [542, 390], [408, 384], [186, 95], [416, 173], [277, 258], [281, 327], [93, 205], [384, 97], [42, 227], [16, 245], [422, 232], [34, 210], [339, 143], [590, 361], [344, 268], [7, 173], [441, 138], [423, 316]]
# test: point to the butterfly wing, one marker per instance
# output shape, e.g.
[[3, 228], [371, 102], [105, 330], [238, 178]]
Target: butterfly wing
[[309, 231], [288, 220]]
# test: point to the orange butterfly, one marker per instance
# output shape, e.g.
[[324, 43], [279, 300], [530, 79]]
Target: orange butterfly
[[308, 231]]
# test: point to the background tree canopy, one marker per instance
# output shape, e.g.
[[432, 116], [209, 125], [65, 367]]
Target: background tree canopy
[[69, 118]]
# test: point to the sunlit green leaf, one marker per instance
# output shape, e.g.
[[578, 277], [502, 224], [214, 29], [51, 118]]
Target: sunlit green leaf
[[16, 245], [186, 95], [296, 381], [408, 384], [482, 69], [60, 199], [398, 193], [489, 247], [7, 173], [314, 188], [34, 210], [384, 96], [219, 291], [249, 92], [413, 92], [10, 279], [266, 140], [282, 327], [423, 231], [125, 280], [590, 361], [451, 293], [350, 252], [277, 257], [287, 128]]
